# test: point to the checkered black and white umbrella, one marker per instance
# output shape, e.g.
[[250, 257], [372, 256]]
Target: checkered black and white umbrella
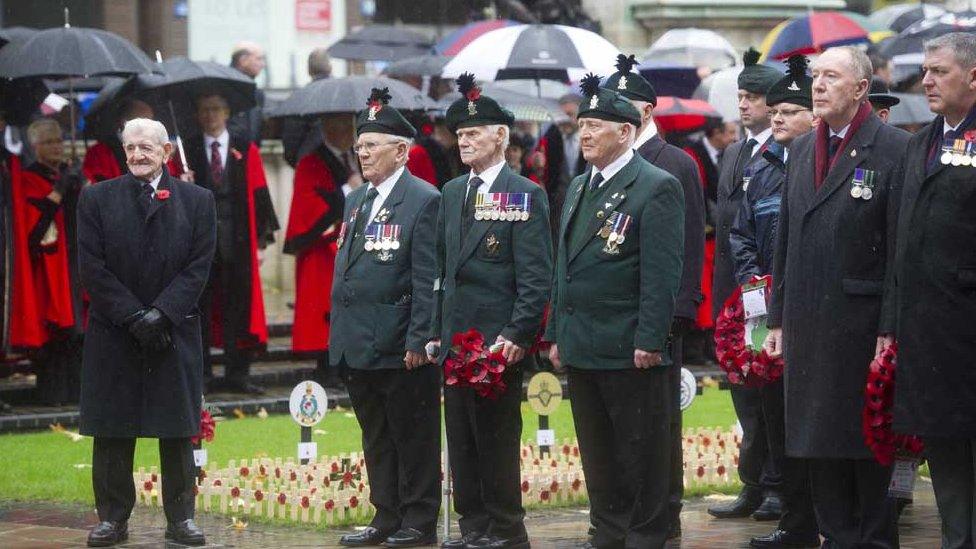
[[543, 52]]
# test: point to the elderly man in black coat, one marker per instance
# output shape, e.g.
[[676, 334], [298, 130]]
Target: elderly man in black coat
[[935, 286], [649, 145], [145, 244], [834, 249]]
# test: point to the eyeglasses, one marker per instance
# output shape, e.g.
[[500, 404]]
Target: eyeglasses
[[369, 147], [786, 114]]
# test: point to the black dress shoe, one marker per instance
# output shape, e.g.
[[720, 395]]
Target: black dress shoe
[[463, 541], [410, 537], [674, 529], [771, 509], [743, 506], [185, 532], [497, 542], [782, 538], [107, 533], [369, 536]]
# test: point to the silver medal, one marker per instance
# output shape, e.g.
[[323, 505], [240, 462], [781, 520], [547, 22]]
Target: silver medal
[[857, 191], [867, 193]]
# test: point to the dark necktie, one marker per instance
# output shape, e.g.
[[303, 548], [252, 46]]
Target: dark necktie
[[364, 211], [467, 212], [216, 165], [750, 146], [146, 195], [832, 147], [596, 181], [932, 162]]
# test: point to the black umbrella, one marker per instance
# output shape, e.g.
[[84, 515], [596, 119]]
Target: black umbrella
[[75, 85], [914, 15], [65, 52], [381, 43], [349, 94], [15, 34], [911, 39], [19, 98], [421, 65]]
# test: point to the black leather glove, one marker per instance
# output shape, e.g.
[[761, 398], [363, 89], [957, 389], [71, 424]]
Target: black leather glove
[[69, 181], [151, 329]]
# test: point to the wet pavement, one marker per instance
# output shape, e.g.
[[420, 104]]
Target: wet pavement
[[41, 525]]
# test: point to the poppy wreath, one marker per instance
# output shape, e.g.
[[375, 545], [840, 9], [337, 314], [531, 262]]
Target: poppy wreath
[[207, 427], [471, 364], [741, 364], [876, 417]]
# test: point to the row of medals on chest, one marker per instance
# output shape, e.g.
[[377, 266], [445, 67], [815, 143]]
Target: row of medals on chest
[[502, 206], [958, 152]]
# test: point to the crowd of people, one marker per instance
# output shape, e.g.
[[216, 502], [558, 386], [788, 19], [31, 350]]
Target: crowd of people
[[602, 245]]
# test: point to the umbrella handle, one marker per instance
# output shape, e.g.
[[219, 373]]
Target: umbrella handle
[[179, 147]]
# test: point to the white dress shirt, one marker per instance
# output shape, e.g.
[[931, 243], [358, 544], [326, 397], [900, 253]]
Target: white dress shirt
[[760, 138], [224, 140], [946, 128], [383, 190], [612, 168], [488, 178], [649, 131], [842, 133]]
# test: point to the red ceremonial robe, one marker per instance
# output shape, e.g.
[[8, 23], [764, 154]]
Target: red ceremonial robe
[[705, 320], [40, 300], [420, 165], [316, 210], [105, 160]]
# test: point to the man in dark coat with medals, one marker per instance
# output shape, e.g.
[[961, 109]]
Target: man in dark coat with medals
[[834, 248], [233, 304], [145, 246], [495, 276], [618, 272], [760, 476], [649, 145], [934, 285], [383, 303], [753, 243]]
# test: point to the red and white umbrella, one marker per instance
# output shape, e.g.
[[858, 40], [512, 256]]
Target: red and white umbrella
[[540, 52]]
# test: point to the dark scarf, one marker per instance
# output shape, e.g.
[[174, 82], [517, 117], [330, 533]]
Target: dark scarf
[[823, 138]]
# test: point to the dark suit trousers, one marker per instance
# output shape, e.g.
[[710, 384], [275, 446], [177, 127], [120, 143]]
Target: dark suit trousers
[[399, 412], [483, 440], [852, 504], [222, 282], [759, 469], [115, 490], [794, 480], [622, 423], [952, 462]]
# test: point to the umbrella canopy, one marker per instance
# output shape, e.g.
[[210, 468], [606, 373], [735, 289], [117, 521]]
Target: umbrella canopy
[[814, 33], [525, 106], [876, 32], [673, 114], [65, 52], [911, 39], [693, 47], [676, 79], [901, 16], [348, 95], [551, 52], [15, 34], [381, 43], [720, 90], [422, 65], [460, 38], [913, 108], [549, 89]]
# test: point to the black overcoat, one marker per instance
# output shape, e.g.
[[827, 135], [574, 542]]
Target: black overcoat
[[829, 270], [129, 258], [935, 289]]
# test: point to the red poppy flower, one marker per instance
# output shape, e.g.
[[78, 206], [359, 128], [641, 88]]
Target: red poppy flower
[[235, 492], [244, 472], [162, 194], [576, 485], [329, 505], [544, 496], [282, 498], [258, 495], [353, 502], [237, 154], [147, 486], [305, 502]]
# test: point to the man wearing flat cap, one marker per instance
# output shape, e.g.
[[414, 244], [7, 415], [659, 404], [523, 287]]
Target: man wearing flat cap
[[382, 303], [618, 272], [759, 475], [494, 251], [649, 145], [752, 242]]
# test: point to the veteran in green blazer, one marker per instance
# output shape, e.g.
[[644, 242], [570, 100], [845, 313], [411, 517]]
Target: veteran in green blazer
[[382, 305], [494, 249], [618, 270]]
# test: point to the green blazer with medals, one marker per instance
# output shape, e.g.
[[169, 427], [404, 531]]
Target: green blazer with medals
[[611, 297], [498, 279]]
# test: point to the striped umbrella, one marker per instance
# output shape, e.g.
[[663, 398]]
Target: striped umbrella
[[457, 40], [815, 33]]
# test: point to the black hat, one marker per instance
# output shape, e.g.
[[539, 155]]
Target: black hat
[[878, 95], [605, 104], [630, 84], [474, 109], [796, 87], [756, 78], [381, 118]]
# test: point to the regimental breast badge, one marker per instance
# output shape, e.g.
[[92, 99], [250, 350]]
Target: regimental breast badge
[[492, 244]]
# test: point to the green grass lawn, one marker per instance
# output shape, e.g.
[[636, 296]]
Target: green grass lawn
[[50, 466]]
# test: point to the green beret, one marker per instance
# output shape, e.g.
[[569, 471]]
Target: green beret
[[379, 117], [605, 104], [630, 84], [474, 109], [756, 78], [796, 87]]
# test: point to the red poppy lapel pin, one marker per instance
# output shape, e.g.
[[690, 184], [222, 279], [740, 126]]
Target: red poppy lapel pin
[[162, 194], [237, 154]]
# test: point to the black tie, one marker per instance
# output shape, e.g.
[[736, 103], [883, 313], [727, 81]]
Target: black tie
[[596, 181], [146, 195], [467, 212], [832, 146], [750, 145], [364, 211]]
